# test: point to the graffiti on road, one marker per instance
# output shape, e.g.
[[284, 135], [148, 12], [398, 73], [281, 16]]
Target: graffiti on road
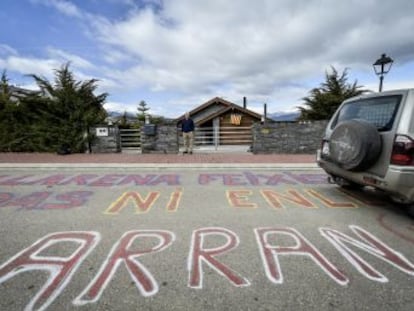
[[204, 179], [212, 251], [294, 193], [143, 201], [61, 269], [143, 205], [45, 200], [200, 257], [92, 180]]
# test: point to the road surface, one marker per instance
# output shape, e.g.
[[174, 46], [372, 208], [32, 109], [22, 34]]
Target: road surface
[[210, 239]]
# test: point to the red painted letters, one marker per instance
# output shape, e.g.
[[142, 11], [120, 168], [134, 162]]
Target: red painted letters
[[270, 254], [60, 268], [122, 253], [199, 254], [371, 245]]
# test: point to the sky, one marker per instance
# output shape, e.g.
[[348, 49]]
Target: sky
[[177, 54]]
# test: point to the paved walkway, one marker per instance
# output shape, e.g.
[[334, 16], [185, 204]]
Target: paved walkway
[[10, 160]]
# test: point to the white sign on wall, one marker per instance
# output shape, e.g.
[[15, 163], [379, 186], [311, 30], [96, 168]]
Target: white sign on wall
[[101, 131]]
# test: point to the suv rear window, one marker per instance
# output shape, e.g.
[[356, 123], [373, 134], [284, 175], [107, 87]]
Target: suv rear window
[[379, 111]]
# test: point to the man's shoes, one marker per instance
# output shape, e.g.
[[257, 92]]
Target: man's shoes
[[191, 152], [185, 152]]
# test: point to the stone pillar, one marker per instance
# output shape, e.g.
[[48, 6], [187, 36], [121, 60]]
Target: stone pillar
[[106, 139], [163, 140]]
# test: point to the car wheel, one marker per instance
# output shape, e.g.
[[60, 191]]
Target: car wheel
[[355, 145]]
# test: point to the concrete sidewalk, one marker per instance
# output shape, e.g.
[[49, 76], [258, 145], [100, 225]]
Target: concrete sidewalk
[[217, 160]]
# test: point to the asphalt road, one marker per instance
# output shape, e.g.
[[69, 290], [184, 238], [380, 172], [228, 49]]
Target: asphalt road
[[171, 239]]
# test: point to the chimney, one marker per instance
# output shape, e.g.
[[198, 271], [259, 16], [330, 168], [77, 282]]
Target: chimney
[[244, 102]]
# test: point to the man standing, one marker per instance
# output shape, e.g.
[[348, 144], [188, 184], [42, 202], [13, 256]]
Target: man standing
[[187, 127]]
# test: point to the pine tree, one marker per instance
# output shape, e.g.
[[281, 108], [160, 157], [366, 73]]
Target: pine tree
[[12, 127], [8, 113], [4, 90], [123, 121], [71, 109], [324, 100], [142, 111]]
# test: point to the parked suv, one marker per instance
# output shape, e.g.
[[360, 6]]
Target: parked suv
[[369, 141]]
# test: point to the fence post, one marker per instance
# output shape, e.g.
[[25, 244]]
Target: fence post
[[216, 136]]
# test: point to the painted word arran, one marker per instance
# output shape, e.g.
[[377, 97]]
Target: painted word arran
[[40, 257]]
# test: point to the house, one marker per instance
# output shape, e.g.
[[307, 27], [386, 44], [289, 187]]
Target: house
[[16, 93], [221, 122]]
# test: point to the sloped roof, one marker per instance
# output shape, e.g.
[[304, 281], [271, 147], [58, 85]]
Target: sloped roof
[[223, 107]]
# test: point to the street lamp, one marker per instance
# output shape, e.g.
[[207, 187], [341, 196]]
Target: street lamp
[[381, 67]]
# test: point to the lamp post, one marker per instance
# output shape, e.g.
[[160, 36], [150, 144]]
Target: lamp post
[[381, 67]]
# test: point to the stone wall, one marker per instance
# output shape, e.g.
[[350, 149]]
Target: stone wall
[[288, 138], [282, 138], [106, 139], [164, 140]]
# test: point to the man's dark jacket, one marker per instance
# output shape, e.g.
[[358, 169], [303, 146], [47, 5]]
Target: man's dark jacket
[[187, 125]]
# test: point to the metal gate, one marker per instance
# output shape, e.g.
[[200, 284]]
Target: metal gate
[[205, 138], [130, 139], [223, 138]]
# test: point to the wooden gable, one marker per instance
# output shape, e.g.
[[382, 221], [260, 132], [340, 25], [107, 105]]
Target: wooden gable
[[222, 109]]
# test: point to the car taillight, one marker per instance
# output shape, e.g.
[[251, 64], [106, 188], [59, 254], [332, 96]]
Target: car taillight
[[325, 148], [403, 150]]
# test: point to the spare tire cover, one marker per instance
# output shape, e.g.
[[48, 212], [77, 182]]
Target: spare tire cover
[[355, 145]]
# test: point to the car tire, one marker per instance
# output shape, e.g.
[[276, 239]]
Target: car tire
[[355, 145]]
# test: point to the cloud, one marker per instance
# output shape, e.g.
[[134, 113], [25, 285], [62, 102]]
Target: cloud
[[63, 6], [115, 106], [254, 46], [27, 65], [185, 52], [43, 66], [46, 67], [7, 50], [64, 57]]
